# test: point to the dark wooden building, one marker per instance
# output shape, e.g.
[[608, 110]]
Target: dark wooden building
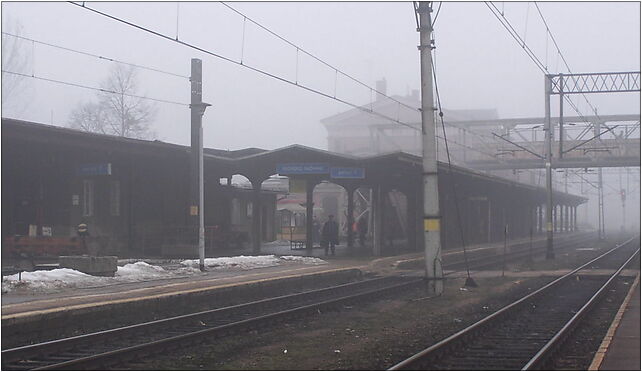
[[133, 194]]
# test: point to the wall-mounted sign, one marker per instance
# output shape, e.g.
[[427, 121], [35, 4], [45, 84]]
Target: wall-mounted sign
[[346, 172], [193, 210], [46, 231], [302, 168], [75, 199], [95, 169]]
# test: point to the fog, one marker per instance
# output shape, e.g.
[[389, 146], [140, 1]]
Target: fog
[[479, 66]]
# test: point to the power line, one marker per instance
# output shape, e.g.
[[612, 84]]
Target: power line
[[298, 48], [94, 55], [548, 30], [94, 88], [542, 67], [511, 30], [227, 59]]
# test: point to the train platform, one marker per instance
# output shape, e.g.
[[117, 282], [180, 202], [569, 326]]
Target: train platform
[[620, 349], [17, 304]]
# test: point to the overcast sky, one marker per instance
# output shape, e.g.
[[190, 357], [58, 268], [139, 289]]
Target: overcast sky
[[479, 66]]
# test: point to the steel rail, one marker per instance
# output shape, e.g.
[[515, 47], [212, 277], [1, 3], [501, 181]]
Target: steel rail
[[550, 346], [15, 355], [449, 341], [21, 351], [515, 253], [155, 347]]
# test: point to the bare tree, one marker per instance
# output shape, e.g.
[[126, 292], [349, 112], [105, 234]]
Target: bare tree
[[15, 58], [120, 110]]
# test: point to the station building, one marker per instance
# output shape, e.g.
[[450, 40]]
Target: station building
[[134, 196]]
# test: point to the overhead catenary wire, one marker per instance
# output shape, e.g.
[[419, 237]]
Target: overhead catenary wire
[[548, 30], [363, 108], [34, 41], [318, 59], [77, 85], [541, 66], [255, 69]]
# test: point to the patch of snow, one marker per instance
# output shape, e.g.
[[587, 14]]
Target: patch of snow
[[305, 260], [52, 280], [45, 280], [236, 262], [140, 270]]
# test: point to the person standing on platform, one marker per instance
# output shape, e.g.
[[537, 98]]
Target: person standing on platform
[[330, 234]]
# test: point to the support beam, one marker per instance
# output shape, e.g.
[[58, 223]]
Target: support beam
[[197, 109], [256, 216], [350, 191], [377, 233], [549, 171], [309, 214]]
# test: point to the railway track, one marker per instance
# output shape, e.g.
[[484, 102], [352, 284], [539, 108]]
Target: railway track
[[112, 347], [100, 350], [525, 334], [515, 253]]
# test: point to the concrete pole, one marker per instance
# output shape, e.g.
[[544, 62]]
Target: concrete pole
[[550, 254], [197, 109], [432, 219], [600, 192], [623, 197]]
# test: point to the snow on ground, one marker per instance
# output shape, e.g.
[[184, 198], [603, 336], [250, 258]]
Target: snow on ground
[[52, 280]]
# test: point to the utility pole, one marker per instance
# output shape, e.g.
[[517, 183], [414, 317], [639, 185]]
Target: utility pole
[[432, 219], [550, 254], [600, 191], [623, 197], [197, 109], [561, 140]]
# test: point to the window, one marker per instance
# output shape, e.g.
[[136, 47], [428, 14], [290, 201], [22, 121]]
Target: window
[[88, 198], [114, 198]]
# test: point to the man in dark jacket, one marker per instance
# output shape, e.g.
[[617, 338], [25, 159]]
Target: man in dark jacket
[[330, 234]]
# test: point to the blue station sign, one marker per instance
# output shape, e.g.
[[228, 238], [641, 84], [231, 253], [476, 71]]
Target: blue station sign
[[345, 172], [302, 168], [95, 169]]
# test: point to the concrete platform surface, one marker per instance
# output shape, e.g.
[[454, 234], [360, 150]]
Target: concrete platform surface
[[20, 304], [620, 350]]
